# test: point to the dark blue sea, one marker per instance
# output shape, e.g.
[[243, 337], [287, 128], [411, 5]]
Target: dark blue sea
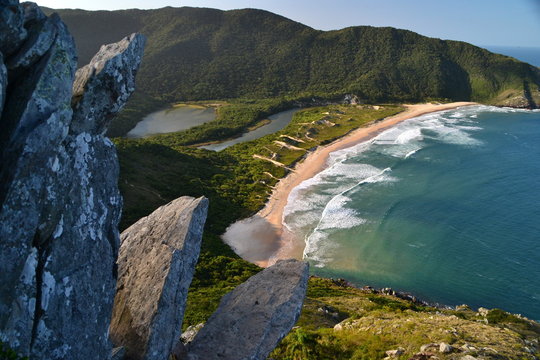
[[445, 206], [529, 55]]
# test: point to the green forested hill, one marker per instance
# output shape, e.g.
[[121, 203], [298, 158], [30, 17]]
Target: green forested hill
[[200, 54]]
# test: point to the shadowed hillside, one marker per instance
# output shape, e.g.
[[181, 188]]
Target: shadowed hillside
[[197, 54]]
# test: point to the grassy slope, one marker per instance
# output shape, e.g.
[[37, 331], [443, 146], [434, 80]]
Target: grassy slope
[[195, 54], [373, 323]]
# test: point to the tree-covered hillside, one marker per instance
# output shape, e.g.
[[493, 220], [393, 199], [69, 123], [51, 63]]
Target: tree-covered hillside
[[198, 54]]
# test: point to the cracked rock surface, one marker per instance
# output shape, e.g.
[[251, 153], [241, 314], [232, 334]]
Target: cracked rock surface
[[252, 319], [59, 199], [155, 268]]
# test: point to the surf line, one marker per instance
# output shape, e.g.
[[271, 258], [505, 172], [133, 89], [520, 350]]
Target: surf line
[[326, 208]]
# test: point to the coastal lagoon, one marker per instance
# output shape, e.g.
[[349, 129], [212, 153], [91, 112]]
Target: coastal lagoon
[[171, 120], [277, 122], [445, 206]]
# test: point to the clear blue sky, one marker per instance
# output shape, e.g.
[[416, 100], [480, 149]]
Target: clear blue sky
[[481, 22]]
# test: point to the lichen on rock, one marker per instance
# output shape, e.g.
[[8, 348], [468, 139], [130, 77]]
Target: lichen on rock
[[59, 198]]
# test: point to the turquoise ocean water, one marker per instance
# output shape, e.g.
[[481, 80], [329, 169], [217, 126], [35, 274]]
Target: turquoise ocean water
[[445, 206]]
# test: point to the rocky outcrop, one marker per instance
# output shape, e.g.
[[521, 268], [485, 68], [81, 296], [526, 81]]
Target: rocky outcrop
[[527, 98], [59, 213], [59, 200], [255, 316], [92, 110], [157, 260]]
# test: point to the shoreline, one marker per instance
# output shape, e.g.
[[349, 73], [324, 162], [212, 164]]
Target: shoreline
[[315, 162]]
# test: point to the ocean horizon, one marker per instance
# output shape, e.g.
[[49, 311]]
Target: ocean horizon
[[529, 55], [444, 206]]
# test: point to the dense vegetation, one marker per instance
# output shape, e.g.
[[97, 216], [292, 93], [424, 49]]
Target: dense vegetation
[[201, 54]]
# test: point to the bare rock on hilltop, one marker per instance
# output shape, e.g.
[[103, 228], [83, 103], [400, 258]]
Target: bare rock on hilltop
[[254, 317], [92, 110], [156, 263]]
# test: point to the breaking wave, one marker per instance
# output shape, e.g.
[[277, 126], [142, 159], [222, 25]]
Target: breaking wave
[[319, 206]]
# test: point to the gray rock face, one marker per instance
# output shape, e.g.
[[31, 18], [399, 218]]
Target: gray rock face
[[34, 122], [3, 82], [92, 110], [156, 263], [59, 200], [31, 12], [118, 353], [40, 38], [8, 2], [11, 27], [190, 333], [254, 317]]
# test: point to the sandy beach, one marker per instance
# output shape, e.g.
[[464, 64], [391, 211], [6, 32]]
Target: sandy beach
[[267, 224]]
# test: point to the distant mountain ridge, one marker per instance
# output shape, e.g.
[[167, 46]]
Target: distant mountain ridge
[[201, 54]]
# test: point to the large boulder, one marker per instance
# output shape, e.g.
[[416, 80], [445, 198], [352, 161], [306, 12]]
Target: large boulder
[[254, 317], [59, 200], [156, 263]]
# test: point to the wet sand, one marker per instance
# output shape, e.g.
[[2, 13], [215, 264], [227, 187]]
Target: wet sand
[[264, 241]]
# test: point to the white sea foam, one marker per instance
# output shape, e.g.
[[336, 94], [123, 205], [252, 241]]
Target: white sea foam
[[353, 151], [453, 135], [457, 114], [340, 176], [318, 250], [336, 216], [411, 153], [408, 135], [496, 109], [319, 206]]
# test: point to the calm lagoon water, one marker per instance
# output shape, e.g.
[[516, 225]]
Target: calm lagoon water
[[277, 122], [445, 206], [172, 120]]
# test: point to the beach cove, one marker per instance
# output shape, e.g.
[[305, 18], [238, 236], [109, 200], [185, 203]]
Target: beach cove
[[443, 205], [268, 241]]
